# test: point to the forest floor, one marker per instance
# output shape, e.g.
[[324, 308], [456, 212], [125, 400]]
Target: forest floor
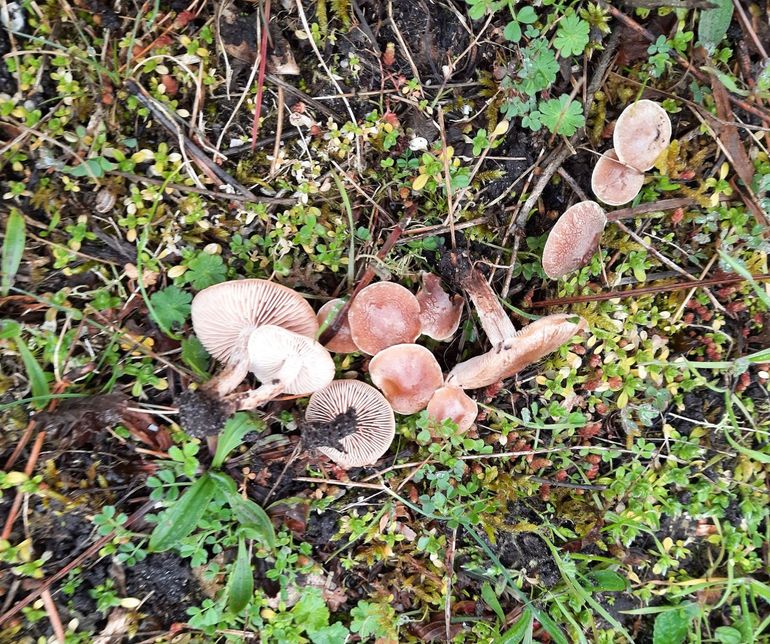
[[616, 490]]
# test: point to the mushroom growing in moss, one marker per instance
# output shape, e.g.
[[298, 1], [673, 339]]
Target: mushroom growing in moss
[[613, 182], [408, 375], [574, 239], [350, 422], [382, 315], [642, 132], [453, 403], [439, 313], [529, 345]]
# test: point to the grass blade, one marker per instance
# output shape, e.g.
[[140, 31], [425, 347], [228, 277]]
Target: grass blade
[[181, 518], [13, 249]]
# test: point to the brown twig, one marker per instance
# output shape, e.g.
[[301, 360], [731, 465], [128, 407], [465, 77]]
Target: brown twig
[[653, 206], [31, 462], [265, 36], [53, 616], [367, 277], [645, 290]]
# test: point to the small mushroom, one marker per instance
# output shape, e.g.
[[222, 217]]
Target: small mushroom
[[224, 316], [284, 362], [382, 315], [353, 423], [613, 182], [341, 342], [642, 132], [452, 402], [408, 375], [439, 313], [529, 345], [492, 317], [574, 239]]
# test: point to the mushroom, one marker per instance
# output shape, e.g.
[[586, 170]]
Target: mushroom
[[408, 375], [351, 422], [495, 322], [224, 316], [439, 313], [382, 315], [642, 132], [284, 362], [529, 345], [613, 182], [452, 402], [341, 341], [574, 239]]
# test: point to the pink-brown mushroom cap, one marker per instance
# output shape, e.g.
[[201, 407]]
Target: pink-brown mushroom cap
[[642, 132], [375, 422], [574, 239], [342, 341], [439, 313], [613, 182], [224, 315], [408, 375], [529, 345], [452, 402], [382, 315]]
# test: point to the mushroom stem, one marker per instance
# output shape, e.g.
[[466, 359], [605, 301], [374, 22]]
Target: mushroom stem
[[227, 380], [492, 316], [256, 397]]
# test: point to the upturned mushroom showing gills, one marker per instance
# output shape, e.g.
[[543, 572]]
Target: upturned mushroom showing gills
[[350, 422], [284, 362], [529, 345], [408, 375], [382, 315], [492, 317], [224, 316], [574, 239], [642, 132], [439, 313], [453, 403], [341, 341], [613, 182]]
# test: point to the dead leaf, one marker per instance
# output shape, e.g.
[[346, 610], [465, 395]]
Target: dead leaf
[[727, 132]]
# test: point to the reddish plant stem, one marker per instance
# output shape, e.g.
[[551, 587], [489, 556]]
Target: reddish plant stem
[[368, 276], [645, 290], [261, 73], [31, 462]]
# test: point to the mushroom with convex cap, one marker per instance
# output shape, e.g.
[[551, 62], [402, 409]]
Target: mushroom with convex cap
[[225, 315], [382, 315], [642, 132], [529, 345], [574, 238], [613, 182], [439, 313], [350, 422], [453, 403], [285, 363], [408, 375], [341, 341]]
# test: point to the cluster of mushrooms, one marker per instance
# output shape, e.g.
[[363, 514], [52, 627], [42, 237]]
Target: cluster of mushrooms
[[642, 133], [259, 327]]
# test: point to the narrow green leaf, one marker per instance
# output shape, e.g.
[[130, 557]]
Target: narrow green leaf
[[194, 355], [488, 595], [240, 586], [181, 518], [739, 268], [714, 23], [606, 581], [254, 518], [35, 373], [519, 630], [232, 435], [13, 249]]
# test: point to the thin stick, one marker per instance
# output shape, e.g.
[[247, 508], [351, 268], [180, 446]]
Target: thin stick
[[265, 36], [53, 616], [31, 462], [646, 290], [447, 181], [278, 132]]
